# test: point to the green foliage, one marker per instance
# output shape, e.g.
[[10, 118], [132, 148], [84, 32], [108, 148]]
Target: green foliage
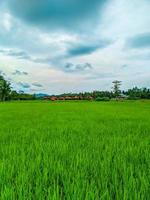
[[7, 94], [138, 93], [21, 96], [5, 89], [75, 150], [108, 94], [133, 98], [116, 88], [102, 99]]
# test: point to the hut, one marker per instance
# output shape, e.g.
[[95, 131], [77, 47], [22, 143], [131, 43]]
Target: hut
[[53, 98]]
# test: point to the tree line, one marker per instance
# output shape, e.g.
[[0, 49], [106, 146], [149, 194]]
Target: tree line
[[7, 93], [116, 93]]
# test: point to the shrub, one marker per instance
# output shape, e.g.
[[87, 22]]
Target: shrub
[[133, 98], [102, 99]]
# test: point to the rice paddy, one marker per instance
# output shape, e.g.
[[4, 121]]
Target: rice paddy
[[75, 150]]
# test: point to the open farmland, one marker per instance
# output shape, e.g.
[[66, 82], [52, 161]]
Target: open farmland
[[75, 150]]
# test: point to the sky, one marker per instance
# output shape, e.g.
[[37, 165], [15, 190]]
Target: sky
[[57, 46]]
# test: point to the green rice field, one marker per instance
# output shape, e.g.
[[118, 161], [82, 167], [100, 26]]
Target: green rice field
[[75, 150]]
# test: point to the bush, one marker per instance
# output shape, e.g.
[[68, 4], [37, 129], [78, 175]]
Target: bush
[[102, 99], [133, 98]]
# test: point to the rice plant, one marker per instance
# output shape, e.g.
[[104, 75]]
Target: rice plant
[[75, 150]]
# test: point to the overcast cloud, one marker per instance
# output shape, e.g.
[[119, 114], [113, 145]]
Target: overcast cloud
[[59, 46]]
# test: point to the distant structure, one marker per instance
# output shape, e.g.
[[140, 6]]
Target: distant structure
[[67, 98], [53, 98]]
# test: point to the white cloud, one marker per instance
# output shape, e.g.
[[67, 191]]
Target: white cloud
[[7, 22], [47, 49], [124, 18]]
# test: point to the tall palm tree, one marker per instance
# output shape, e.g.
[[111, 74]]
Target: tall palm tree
[[5, 89]]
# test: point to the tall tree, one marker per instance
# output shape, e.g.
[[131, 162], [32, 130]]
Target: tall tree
[[5, 89], [116, 88]]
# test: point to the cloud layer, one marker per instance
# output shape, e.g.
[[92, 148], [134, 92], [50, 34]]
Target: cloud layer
[[73, 45], [56, 13]]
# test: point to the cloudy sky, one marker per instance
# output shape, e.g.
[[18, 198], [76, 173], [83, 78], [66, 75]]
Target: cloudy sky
[[56, 46]]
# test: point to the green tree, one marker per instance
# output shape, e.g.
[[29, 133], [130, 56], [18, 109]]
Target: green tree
[[5, 89], [14, 95], [116, 88]]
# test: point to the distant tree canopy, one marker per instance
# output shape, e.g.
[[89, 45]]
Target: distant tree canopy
[[21, 96], [139, 93], [6, 93], [86, 95], [134, 93]]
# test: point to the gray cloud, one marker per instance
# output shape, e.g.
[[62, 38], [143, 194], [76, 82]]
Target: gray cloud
[[2, 73], [2, 51], [87, 48], [24, 85], [37, 85], [124, 66], [139, 41], [16, 53], [20, 55], [17, 72], [57, 13], [70, 67]]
